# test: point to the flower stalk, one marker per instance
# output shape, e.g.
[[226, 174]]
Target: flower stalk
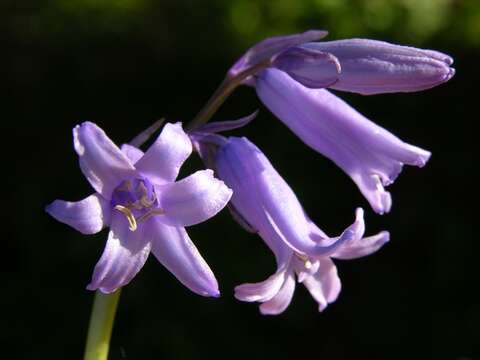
[[225, 89], [101, 324]]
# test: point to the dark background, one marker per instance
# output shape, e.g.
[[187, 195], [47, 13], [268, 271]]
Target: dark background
[[125, 63]]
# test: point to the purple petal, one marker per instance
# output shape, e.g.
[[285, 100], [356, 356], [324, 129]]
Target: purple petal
[[101, 161], [220, 126], [280, 302], [163, 160], [246, 169], [239, 173], [88, 216], [267, 49], [372, 156], [373, 67], [192, 200], [325, 285], [362, 247], [133, 154], [124, 255], [173, 248], [312, 68], [261, 291]]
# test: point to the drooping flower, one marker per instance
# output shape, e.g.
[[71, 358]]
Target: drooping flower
[[146, 209], [264, 203], [369, 154], [365, 66], [358, 65]]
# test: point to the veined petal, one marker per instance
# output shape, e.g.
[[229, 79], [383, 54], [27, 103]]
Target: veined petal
[[173, 248], [325, 285], [192, 200], [272, 195], [264, 290], [132, 153], [124, 255], [88, 216], [239, 172], [374, 67], [362, 247], [163, 160], [280, 302], [372, 156], [267, 49], [101, 161]]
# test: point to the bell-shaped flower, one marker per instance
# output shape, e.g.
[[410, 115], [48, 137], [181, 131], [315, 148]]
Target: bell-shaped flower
[[365, 66], [267, 205], [369, 154], [136, 195], [357, 65]]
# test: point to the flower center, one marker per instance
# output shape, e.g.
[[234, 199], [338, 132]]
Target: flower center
[[306, 261], [136, 199]]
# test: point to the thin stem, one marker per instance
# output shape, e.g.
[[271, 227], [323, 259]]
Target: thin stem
[[101, 323], [226, 88], [213, 104]]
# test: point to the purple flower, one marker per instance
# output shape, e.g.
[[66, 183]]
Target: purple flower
[[267, 205], [358, 65], [146, 210], [365, 66], [267, 50], [369, 154]]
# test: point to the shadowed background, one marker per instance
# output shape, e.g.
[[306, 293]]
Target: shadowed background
[[125, 63]]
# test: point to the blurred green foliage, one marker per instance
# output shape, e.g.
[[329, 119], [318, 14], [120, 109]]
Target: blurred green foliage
[[407, 21]]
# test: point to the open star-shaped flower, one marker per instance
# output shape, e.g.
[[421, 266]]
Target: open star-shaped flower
[[146, 209]]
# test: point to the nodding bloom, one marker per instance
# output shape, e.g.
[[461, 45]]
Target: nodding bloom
[[136, 195], [365, 66], [265, 204], [357, 65], [369, 154]]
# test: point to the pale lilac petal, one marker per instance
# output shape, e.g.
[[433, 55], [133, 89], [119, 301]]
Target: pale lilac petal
[[101, 161], [173, 248], [88, 216], [373, 67], [267, 49], [372, 156], [192, 200], [220, 126], [133, 153], [280, 302], [325, 285], [240, 174], [362, 247], [274, 197], [312, 68], [124, 255], [163, 160], [261, 291]]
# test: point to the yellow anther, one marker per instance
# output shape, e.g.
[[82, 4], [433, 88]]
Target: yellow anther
[[145, 202], [132, 223], [306, 261], [150, 214]]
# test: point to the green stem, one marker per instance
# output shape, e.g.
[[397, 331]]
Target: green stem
[[226, 88], [101, 323]]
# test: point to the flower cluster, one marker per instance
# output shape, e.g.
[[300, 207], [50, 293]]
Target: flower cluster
[[138, 198]]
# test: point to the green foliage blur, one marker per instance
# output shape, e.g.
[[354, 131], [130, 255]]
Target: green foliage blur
[[246, 21], [125, 63]]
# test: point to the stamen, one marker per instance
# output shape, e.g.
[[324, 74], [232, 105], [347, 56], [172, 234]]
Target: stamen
[[132, 223], [150, 214], [145, 202], [306, 261]]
